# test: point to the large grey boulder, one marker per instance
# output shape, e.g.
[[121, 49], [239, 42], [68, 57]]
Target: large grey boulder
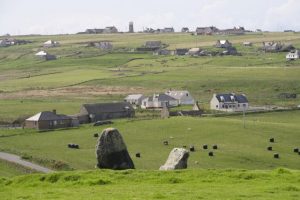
[[111, 151], [176, 160]]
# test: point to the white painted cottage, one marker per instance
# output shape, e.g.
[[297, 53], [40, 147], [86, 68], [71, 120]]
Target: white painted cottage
[[229, 102], [51, 43], [293, 55], [183, 96], [135, 99], [158, 100]]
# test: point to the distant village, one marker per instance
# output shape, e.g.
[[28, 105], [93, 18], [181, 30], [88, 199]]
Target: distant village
[[100, 112]]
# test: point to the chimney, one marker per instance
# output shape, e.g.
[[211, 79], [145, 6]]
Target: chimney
[[54, 111]]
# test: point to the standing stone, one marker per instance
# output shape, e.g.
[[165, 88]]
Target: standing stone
[[176, 160], [111, 151]]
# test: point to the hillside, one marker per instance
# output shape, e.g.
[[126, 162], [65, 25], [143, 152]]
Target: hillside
[[85, 74], [134, 184]]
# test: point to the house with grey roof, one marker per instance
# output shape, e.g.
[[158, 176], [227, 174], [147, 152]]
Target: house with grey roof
[[158, 101], [183, 96], [206, 30], [135, 99], [48, 120], [229, 102], [185, 30], [103, 111], [110, 29]]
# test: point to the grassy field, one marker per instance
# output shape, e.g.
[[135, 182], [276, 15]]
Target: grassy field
[[84, 74], [188, 184], [239, 147], [8, 169]]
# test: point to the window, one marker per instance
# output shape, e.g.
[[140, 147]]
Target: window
[[222, 106], [217, 106], [187, 94], [244, 105]]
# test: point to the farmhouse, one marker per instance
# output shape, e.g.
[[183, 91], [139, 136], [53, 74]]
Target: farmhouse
[[94, 31], [272, 46], [49, 120], [223, 44], [233, 31], [293, 55], [206, 30], [229, 102], [110, 29], [183, 96], [45, 56], [51, 43], [103, 111], [158, 100], [168, 30], [164, 52], [135, 99]]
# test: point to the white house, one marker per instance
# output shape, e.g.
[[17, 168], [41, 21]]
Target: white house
[[51, 43], [183, 96], [293, 55], [158, 100], [229, 102], [44, 55], [135, 99]]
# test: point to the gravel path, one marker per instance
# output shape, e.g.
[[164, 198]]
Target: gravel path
[[17, 159]]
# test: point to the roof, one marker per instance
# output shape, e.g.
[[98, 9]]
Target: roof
[[223, 41], [194, 50], [41, 53], [48, 116], [232, 97], [177, 94], [161, 97], [107, 107], [134, 96]]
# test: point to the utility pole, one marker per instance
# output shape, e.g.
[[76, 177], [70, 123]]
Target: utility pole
[[244, 120]]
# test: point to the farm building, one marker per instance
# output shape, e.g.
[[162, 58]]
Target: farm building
[[183, 96], [230, 51], [51, 43], [135, 99], [45, 56], [293, 55], [223, 44], [94, 31], [103, 111], [47, 120], [206, 30], [168, 30], [110, 29], [233, 31], [151, 46], [229, 102], [181, 52], [271, 46], [158, 100]]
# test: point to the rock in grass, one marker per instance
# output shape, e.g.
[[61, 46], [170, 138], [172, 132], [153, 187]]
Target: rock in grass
[[111, 151], [177, 160]]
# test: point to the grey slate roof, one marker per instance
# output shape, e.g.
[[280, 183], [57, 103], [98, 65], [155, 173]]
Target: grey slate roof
[[227, 98], [163, 97], [107, 107], [48, 116]]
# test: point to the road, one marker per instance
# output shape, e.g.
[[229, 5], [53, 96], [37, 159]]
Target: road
[[17, 160]]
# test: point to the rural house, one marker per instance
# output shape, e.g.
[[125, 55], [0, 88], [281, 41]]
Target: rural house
[[206, 30], [223, 44], [45, 56], [183, 97], [135, 99], [110, 29], [103, 111], [104, 45], [194, 52], [51, 43], [168, 30], [181, 52], [247, 44], [158, 100], [233, 31], [164, 52], [47, 120], [293, 55], [272, 46], [94, 31], [229, 102]]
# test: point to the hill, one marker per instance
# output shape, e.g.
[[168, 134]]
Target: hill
[[134, 184]]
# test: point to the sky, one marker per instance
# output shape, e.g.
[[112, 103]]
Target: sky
[[18, 17]]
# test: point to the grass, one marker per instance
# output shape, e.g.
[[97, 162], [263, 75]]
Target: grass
[[8, 169], [238, 147], [136, 184]]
